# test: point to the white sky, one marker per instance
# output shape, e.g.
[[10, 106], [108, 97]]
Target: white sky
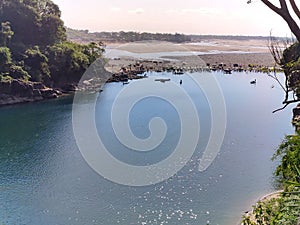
[[228, 17]]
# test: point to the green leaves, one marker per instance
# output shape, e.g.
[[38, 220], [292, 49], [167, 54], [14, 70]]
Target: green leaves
[[6, 33], [286, 208], [52, 30], [289, 152], [282, 210], [71, 58], [17, 72], [33, 22], [34, 43], [5, 57], [36, 63]]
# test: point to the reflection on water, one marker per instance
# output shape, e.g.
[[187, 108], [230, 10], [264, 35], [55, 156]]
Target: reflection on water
[[45, 180]]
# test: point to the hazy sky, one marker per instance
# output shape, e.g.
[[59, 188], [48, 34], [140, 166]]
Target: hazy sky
[[190, 16]]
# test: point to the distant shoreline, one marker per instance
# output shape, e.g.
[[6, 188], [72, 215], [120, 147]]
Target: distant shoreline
[[85, 36], [213, 45]]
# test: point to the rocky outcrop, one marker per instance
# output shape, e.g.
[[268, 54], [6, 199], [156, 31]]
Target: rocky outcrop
[[17, 91]]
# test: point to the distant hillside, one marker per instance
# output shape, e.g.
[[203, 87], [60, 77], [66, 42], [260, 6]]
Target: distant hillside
[[84, 36]]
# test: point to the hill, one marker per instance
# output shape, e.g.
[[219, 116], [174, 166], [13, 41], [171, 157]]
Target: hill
[[36, 60]]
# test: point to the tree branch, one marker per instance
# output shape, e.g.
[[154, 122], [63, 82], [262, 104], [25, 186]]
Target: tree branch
[[285, 14], [283, 5], [277, 110], [295, 8], [272, 7], [291, 101], [277, 80], [286, 104]]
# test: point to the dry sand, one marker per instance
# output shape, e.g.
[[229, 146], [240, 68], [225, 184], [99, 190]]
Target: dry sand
[[244, 59], [205, 46], [243, 53]]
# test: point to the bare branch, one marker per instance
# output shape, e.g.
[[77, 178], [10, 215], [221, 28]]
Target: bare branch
[[275, 49], [291, 101], [277, 80], [273, 7], [295, 8], [286, 104], [285, 14], [277, 110]]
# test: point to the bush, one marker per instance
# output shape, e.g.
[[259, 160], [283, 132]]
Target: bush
[[68, 61], [5, 57], [289, 152], [17, 72], [5, 78], [36, 63], [285, 209]]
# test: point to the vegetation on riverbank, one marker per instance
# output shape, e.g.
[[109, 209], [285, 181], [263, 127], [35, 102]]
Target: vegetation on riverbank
[[285, 208], [34, 52]]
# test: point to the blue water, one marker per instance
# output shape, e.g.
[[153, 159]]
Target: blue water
[[45, 180]]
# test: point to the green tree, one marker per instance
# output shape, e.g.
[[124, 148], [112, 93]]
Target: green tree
[[33, 22], [36, 63], [289, 153], [24, 21], [5, 57], [93, 50], [17, 72], [286, 208], [52, 30], [33, 44], [67, 61], [6, 34]]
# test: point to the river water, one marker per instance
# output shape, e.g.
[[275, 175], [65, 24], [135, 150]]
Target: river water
[[45, 180]]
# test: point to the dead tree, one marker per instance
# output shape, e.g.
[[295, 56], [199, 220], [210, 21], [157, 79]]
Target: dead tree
[[284, 12]]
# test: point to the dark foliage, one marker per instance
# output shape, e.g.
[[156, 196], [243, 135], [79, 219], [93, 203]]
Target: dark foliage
[[33, 44]]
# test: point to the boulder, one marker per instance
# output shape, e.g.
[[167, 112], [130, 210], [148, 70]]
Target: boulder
[[22, 89], [49, 93], [18, 91], [69, 88], [38, 85]]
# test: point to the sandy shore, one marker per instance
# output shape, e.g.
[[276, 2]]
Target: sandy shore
[[258, 60], [251, 45], [228, 52], [264, 59]]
